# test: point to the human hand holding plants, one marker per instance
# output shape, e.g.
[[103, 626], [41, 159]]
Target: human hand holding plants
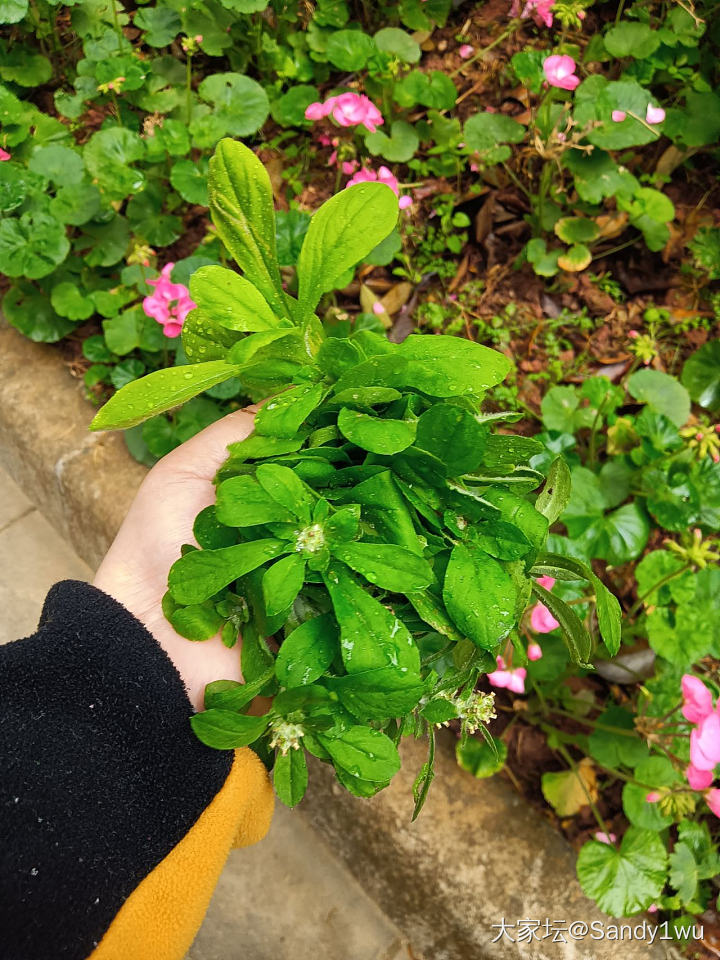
[[160, 520]]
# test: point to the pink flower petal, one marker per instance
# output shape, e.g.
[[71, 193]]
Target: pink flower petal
[[713, 801], [541, 620], [652, 797], [466, 50], [534, 651], [559, 72], [618, 116], [547, 582], [698, 779], [605, 837], [654, 114], [697, 699], [4, 155], [705, 743]]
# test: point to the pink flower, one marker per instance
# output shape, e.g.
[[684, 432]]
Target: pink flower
[[541, 620], [654, 114], [698, 779], [697, 699], [4, 155], [332, 159], [378, 308], [347, 110], [383, 175], [322, 138], [712, 799], [618, 116], [605, 837], [653, 908], [705, 743], [466, 50], [633, 334], [349, 166], [510, 679], [169, 303], [652, 797], [547, 582], [539, 10], [560, 72], [534, 651]]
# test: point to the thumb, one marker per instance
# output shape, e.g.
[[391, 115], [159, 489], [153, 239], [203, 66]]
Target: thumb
[[201, 456]]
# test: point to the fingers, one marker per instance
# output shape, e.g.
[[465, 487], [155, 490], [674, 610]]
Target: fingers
[[202, 455]]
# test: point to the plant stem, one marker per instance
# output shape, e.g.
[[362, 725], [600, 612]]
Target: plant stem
[[514, 25], [188, 86], [661, 583], [574, 767]]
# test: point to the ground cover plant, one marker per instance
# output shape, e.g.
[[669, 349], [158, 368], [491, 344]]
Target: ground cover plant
[[554, 165], [370, 539]]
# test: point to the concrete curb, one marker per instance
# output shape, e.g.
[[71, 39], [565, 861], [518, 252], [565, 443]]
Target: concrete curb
[[476, 855]]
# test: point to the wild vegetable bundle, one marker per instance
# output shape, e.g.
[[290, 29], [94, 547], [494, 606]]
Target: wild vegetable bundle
[[374, 541]]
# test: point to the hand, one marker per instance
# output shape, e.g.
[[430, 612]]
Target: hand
[[160, 520]]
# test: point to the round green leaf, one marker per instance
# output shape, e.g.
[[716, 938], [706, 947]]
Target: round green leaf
[[701, 375], [663, 393], [19, 65], [398, 44], [30, 312], [12, 11], [575, 259], [631, 40], [289, 109], [161, 25], [68, 301], [349, 49], [627, 880], [190, 180], [399, 147], [61, 165], [483, 131], [241, 104], [479, 758], [371, 433], [577, 229], [32, 246]]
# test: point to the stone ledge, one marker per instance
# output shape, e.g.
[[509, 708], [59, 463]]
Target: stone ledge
[[476, 854]]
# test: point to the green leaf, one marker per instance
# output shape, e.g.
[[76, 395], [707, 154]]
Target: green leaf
[[133, 329], [575, 259], [200, 574], [454, 436], [227, 730], [61, 165], [613, 748], [378, 694], [68, 301], [631, 40], [386, 565], [398, 44], [349, 50], [556, 492], [544, 261], [241, 203], [159, 391], [365, 753], [701, 375], [290, 776], [108, 155], [651, 772], [284, 486], [371, 636], [240, 103], [484, 131], [479, 596], [32, 246], [480, 758], [197, 622], [684, 872], [12, 11], [342, 232], [307, 652], [242, 502], [281, 584], [30, 312], [283, 415], [576, 636], [662, 392], [627, 880], [189, 178], [374, 434], [577, 229], [608, 607], [289, 109], [161, 25], [435, 89], [399, 147], [233, 695], [231, 301]]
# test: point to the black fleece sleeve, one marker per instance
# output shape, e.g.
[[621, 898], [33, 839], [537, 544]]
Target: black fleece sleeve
[[101, 775]]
